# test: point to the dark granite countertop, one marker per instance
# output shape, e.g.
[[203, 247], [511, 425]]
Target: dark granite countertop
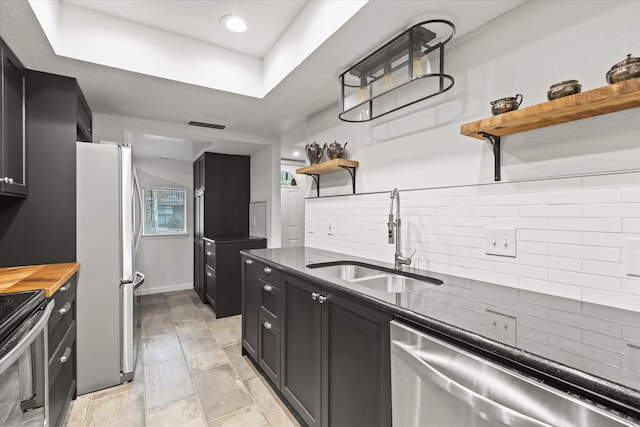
[[593, 348], [235, 238]]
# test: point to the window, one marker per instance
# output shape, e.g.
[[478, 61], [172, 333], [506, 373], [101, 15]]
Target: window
[[164, 211]]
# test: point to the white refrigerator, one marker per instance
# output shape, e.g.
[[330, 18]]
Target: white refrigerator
[[108, 209]]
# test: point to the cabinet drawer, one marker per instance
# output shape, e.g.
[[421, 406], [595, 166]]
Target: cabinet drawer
[[61, 390], [269, 274], [210, 257], [269, 350], [62, 353], [62, 315], [270, 301]]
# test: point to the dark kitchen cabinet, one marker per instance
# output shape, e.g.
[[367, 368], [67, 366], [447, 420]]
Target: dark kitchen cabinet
[[221, 185], [41, 228], [335, 360], [326, 353], [62, 352], [84, 119], [13, 138], [249, 307], [261, 316], [301, 376], [223, 286]]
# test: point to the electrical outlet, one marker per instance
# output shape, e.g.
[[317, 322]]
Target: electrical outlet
[[501, 327], [330, 228], [501, 241], [310, 226], [633, 256]]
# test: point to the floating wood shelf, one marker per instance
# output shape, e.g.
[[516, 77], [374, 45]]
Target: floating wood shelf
[[608, 99], [330, 166]]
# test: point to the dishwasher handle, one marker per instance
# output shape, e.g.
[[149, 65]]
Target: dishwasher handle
[[491, 408]]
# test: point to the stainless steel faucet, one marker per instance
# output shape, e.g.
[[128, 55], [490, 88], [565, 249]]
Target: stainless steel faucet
[[399, 259]]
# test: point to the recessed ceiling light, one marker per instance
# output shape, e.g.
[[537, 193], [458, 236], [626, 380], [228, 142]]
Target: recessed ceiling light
[[234, 23]]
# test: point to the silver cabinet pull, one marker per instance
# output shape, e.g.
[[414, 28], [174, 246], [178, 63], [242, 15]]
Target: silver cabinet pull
[[267, 325], [65, 288], [267, 288], [66, 355], [321, 299], [65, 309], [10, 180], [209, 274], [314, 296], [209, 253], [267, 270], [248, 261]]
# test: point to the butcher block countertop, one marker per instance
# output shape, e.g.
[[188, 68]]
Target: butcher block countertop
[[49, 277]]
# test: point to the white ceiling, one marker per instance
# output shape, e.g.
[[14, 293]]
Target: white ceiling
[[200, 19], [164, 105]]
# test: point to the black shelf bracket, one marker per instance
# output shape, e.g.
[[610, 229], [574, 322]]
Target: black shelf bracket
[[350, 169], [495, 145], [316, 178], [352, 172]]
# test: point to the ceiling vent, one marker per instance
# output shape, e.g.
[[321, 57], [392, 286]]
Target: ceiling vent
[[206, 125]]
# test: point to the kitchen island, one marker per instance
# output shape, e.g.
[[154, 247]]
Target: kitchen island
[[582, 348]]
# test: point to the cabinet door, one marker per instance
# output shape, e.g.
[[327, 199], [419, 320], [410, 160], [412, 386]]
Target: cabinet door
[[210, 284], [356, 383], [301, 349], [13, 138], [249, 302], [269, 349]]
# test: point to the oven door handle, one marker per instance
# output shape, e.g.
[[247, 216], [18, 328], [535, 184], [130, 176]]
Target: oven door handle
[[29, 338]]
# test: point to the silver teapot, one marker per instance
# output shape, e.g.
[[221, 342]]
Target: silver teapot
[[505, 105], [314, 152], [335, 150]]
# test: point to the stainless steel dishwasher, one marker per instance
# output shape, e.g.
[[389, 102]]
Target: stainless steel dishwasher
[[434, 383]]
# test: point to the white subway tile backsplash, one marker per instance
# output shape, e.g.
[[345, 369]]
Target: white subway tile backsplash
[[585, 196], [560, 263], [630, 195], [585, 252], [631, 225], [628, 179], [586, 224], [551, 288], [614, 299], [551, 210], [613, 269], [571, 233]]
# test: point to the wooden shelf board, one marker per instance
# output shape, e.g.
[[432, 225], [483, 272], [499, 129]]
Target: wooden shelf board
[[608, 99], [327, 167]]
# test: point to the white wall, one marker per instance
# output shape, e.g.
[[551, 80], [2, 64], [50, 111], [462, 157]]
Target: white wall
[[524, 51], [265, 186], [167, 261], [564, 248]]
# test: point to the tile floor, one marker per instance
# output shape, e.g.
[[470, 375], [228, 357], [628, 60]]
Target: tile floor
[[189, 372]]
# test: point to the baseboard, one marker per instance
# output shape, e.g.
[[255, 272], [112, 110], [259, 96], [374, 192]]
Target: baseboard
[[162, 289]]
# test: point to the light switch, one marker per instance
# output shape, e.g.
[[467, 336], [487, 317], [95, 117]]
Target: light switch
[[501, 241], [633, 256]]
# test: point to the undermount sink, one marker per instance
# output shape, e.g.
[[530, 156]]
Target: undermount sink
[[376, 278]]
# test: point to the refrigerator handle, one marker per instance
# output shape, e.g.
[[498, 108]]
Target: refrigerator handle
[[137, 223]]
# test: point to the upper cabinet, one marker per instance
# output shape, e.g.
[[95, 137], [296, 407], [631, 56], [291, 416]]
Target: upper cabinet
[[83, 119], [13, 148]]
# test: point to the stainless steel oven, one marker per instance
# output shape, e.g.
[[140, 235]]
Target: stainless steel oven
[[24, 389]]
